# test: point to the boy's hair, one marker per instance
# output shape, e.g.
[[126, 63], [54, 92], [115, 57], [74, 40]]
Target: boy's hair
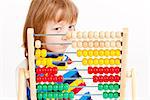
[[42, 11]]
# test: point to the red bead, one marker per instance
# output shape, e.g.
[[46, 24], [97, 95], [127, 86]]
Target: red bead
[[54, 78], [44, 79], [111, 78], [100, 70], [95, 70], [116, 78], [100, 78], [49, 79], [106, 78], [117, 70], [90, 71], [55, 70], [38, 79], [43, 70], [111, 70], [106, 70], [95, 78], [38, 71], [60, 78], [50, 70]]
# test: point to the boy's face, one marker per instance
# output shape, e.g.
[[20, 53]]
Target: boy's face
[[58, 28]]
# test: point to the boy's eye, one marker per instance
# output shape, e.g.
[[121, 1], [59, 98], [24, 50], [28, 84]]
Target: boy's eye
[[71, 26], [57, 29]]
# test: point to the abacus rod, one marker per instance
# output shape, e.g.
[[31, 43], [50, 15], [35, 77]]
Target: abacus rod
[[73, 70], [60, 52], [87, 94], [56, 43], [49, 34], [77, 78]]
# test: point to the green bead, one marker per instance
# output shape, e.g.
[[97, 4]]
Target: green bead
[[105, 95], [50, 87], [105, 86], [66, 86], [44, 87], [50, 95], [44, 95], [39, 87], [116, 86], [100, 86], [39, 96], [55, 95], [111, 95], [116, 94], [60, 95], [71, 95], [111, 86], [60, 87], [65, 95], [55, 87]]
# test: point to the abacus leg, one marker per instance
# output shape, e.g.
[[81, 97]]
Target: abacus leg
[[133, 84], [22, 85]]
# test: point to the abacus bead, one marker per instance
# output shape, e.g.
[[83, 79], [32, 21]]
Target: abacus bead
[[55, 95], [90, 71], [39, 87], [49, 61], [95, 78], [50, 79], [101, 52], [50, 95], [106, 70], [101, 61], [60, 86], [112, 52], [101, 79], [43, 61], [96, 44], [118, 44], [111, 70], [54, 78], [79, 44], [37, 44], [84, 61], [101, 44], [116, 70], [102, 35], [112, 34], [107, 34], [71, 95], [39, 96], [43, 53], [111, 61], [90, 35], [100, 87], [44, 79], [43, 70], [90, 53], [118, 34], [95, 70], [107, 53], [60, 78], [117, 52], [69, 35], [95, 61], [79, 35], [38, 70], [54, 70], [117, 61], [66, 86], [55, 87], [38, 79], [74, 44], [84, 53], [106, 61], [44, 87], [49, 87], [74, 35], [44, 96], [112, 44], [116, 94], [111, 78], [105, 95], [96, 35], [85, 35], [60, 95], [107, 44], [79, 53], [85, 44], [116, 86], [100, 70], [65, 95], [106, 78], [37, 53], [106, 87], [38, 62], [111, 86], [110, 95], [90, 44], [116, 78], [95, 53], [90, 61]]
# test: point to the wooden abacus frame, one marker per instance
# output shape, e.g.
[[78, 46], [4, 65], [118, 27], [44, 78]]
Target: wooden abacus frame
[[25, 74]]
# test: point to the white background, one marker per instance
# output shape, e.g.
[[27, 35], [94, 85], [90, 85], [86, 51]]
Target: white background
[[93, 15]]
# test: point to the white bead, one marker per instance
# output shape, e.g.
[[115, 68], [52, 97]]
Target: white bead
[[118, 44], [90, 35], [107, 34], [79, 35], [101, 44], [38, 44], [118, 34], [85, 44], [90, 44], [79, 44], [85, 35], [113, 35], [74, 35], [96, 44], [96, 35], [107, 44], [68, 35], [74, 44], [112, 44], [102, 35]]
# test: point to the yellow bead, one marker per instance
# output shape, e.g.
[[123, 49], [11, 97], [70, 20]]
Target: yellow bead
[[90, 53], [106, 61], [101, 61], [37, 53], [118, 52], [44, 61], [43, 53], [84, 53], [107, 53], [84, 61], [95, 62], [79, 53], [38, 62], [112, 52], [117, 61], [90, 61], [112, 61], [49, 62], [101, 53], [95, 53]]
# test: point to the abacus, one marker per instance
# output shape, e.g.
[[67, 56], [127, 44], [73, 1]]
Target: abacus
[[100, 73]]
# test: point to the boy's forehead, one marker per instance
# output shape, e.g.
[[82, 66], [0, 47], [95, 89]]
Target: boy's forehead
[[62, 23]]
